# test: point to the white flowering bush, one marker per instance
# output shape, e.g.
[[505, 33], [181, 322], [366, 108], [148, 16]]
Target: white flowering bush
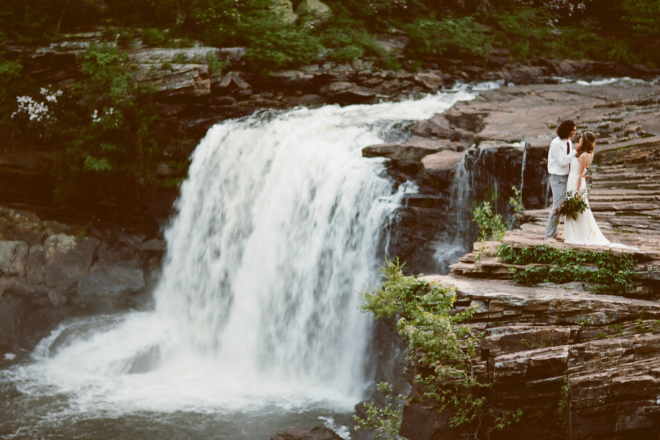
[[38, 114]]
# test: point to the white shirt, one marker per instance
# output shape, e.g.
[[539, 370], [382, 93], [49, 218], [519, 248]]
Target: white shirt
[[558, 160]]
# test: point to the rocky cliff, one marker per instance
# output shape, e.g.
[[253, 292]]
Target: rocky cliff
[[480, 149], [50, 271], [579, 365]]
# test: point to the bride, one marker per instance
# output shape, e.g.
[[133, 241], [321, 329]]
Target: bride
[[583, 230]]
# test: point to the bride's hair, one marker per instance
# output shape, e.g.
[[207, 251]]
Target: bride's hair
[[588, 140]]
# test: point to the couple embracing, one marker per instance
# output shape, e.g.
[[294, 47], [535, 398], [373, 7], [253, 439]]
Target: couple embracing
[[566, 166]]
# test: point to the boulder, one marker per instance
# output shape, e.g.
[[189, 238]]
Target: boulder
[[117, 271], [353, 95], [13, 257], [526, 75], [311, 101], [438, 126], [316, 9], [430, 80], [317, 433], [112, 280], [67, 259]]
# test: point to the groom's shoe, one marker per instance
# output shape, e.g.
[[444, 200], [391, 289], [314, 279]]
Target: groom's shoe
[[551, 240], [559, 238]]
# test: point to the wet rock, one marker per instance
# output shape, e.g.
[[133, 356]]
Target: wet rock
[[154, 245], [317, 433], [36, 271], [284, 9], [11, 314], [353, 95], [67, 259], [13, 257], [312, 101], [111, 280], [117, 271]]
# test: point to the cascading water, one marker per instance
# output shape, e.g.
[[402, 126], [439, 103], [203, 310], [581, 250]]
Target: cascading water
[[278, 226]]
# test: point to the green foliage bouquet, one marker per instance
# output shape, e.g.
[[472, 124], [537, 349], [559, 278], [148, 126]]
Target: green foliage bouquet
[[573, 205]]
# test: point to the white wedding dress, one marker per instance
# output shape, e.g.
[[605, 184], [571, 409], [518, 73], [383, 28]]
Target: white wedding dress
[[584, 230]]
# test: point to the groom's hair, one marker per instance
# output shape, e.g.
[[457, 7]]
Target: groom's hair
[[565, 128]]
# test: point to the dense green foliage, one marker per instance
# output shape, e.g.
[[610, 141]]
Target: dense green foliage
[[441, 346], [623, 30], [610, 273]]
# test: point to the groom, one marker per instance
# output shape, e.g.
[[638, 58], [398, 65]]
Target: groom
[[559, 157]]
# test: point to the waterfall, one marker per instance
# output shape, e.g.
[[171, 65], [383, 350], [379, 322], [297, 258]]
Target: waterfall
[[278, 226], [522, 171]]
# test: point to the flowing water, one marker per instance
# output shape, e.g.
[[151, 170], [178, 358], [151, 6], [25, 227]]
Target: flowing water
[[256, 325]]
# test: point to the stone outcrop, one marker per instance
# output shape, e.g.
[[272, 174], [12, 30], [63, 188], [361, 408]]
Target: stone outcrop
[[50, 271], [481, 149]]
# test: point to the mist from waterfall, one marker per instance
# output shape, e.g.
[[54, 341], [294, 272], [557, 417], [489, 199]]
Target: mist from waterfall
[[279, 224]]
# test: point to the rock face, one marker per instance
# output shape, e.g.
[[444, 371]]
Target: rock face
[[50, 272], [543, 345], [193, 94], [481, 149]]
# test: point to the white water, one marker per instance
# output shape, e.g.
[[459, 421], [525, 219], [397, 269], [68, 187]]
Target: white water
[[278, 226]]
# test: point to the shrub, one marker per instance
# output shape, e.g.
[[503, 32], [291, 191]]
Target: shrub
[[274, 44], [108, 132], [491, 226], [154, 37], [448, 37], [643, 16], [440, 344]]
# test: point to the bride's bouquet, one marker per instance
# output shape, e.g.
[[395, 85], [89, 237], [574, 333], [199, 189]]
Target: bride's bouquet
[[573, 204]]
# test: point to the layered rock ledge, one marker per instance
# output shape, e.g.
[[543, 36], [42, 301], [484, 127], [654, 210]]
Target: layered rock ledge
[[544, 344], [500, 140]]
